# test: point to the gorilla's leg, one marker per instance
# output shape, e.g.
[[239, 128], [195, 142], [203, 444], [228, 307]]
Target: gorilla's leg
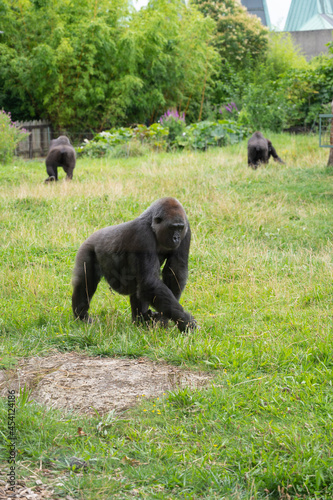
[[68, 162], [52, 173], [140, 310], [142, 314], [85, 281], [69, 175], [253, 158]]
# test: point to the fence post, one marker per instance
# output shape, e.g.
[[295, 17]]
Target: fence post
[[38, 140], [30, 145], [330, 158]]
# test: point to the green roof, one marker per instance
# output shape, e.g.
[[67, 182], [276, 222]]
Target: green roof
[[258, 8], [309, 15], [319, 22]]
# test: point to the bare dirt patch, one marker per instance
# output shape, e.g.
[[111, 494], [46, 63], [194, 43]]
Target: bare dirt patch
[[74, 382]]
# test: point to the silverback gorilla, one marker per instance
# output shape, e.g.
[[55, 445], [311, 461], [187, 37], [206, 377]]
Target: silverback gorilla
[[130, 255], [61, 154], [259, 150]]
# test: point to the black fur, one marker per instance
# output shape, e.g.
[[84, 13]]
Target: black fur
[[61, 154], [130, 256], [259, 150]]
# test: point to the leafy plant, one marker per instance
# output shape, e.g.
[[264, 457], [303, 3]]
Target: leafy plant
[[10, 136], [283, 55], [155, 135], [309, 91], [132, 148], [204, 134], [264, 107], [113, 141], [175, 123], [229, 111], [124, 141]]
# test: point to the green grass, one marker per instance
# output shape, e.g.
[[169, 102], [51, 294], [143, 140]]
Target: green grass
[[260, 287]]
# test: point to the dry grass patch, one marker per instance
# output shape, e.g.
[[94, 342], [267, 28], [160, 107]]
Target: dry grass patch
[[85, 384]]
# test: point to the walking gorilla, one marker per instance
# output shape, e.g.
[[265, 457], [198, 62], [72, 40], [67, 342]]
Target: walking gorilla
[[61, 154], [259, 150], [130, 256]]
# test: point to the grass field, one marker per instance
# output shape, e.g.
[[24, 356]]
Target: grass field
[[260, 287]]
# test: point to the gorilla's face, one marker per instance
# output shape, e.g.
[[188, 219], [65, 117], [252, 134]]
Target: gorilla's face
[[169, 224], [169, 232]]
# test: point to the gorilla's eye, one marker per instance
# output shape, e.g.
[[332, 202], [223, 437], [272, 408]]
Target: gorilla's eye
[[158, 220]]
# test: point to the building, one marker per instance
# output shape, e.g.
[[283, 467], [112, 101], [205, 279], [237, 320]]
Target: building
[[310, 23], [307, 15], [258, 8]]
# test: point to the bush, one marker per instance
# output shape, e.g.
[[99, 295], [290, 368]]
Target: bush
[[264, 107], [207, 133], [104, 142], [155, 136], [138, 141], [176, 125], [309, 91], [120, 141], [132, 148], [10, 136]]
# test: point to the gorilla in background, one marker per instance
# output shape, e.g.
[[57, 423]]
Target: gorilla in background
[[61, 154], [130, 256], [259, 150]]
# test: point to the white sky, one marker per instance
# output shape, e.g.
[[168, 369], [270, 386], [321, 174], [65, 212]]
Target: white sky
[[278, 10]]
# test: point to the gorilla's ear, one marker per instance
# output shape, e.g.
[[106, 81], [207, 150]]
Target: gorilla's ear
[[155, 223]]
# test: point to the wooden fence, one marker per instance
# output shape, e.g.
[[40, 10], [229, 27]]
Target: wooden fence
[[41, 134], [37, 144]]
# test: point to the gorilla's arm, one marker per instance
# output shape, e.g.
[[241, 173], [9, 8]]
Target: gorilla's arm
[[153, 291], [272, 152], [175, 270], [86, 277]]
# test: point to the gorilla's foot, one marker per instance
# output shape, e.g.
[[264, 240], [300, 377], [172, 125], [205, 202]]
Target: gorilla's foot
[[50, 179]]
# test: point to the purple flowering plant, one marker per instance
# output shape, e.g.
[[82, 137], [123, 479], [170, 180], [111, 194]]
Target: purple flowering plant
[[171, 115], [175, 122], [10, 135], [231, 109]]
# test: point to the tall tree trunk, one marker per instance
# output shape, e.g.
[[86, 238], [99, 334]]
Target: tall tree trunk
[[203, 94], [330, 158]]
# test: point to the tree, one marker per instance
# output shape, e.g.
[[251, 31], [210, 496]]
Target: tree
[[61, 62], [170, 50], [240, 37], [101, 64]]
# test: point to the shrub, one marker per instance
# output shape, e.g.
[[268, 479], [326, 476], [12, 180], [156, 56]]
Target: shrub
[[175, 123], [132, 148], [264, 107], [104, 142], [309, 91], [10, 136], [283, 55], [155, 135], [207, 133], [126, 141], [120, 141]]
